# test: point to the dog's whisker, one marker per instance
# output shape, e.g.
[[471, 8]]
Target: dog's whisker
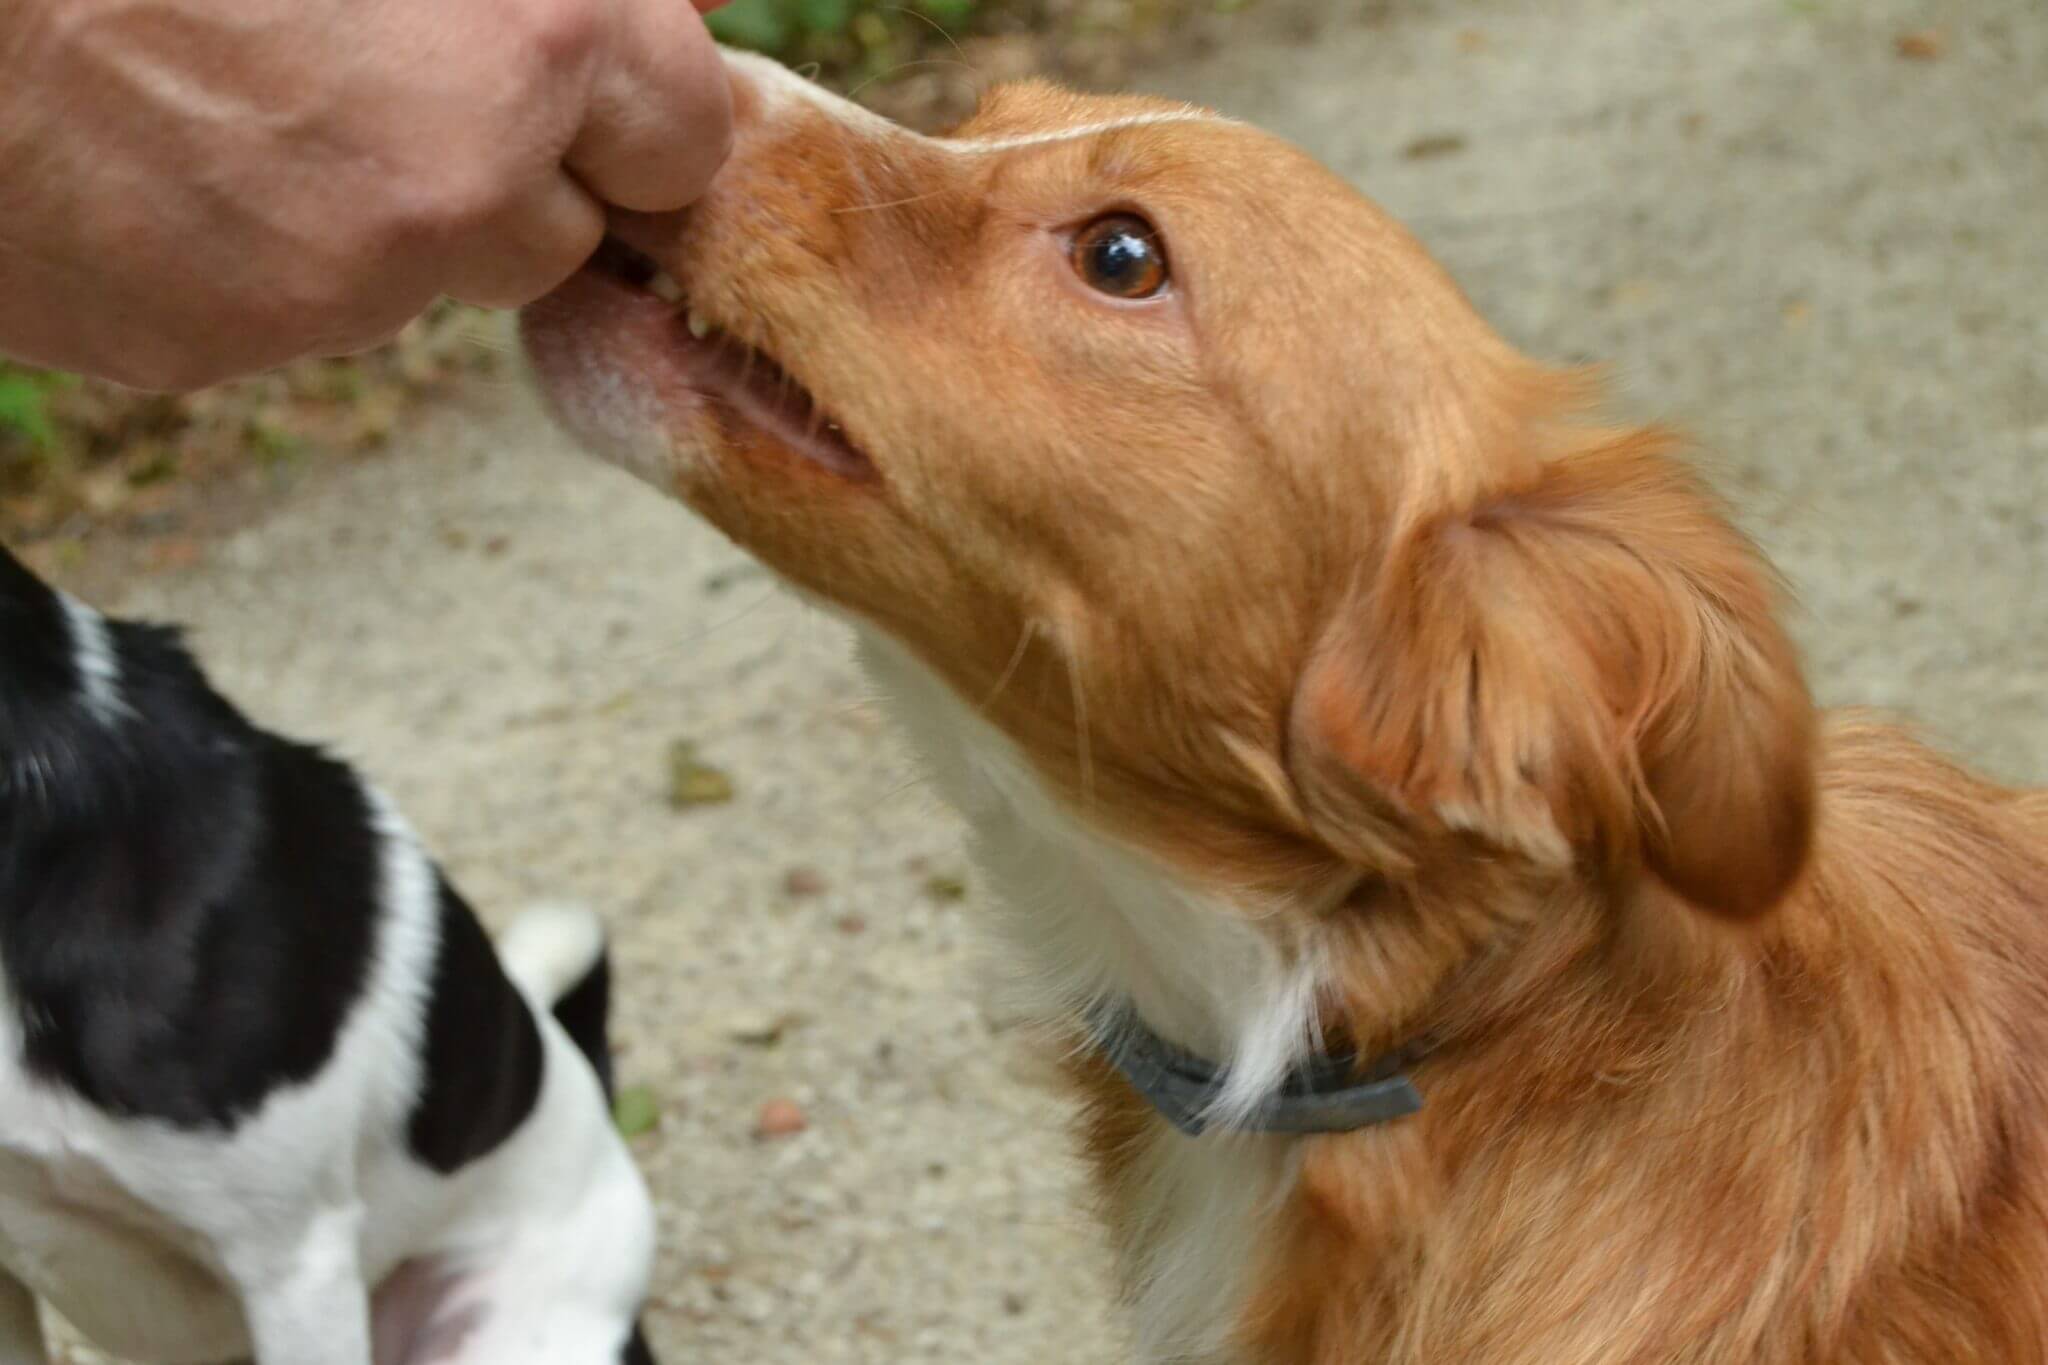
[[890, 203], [1010, 669], [902, 67], [907, 785], [1084, 755], [940, 29], [669, 648]]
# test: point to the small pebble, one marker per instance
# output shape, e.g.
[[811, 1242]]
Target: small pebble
[[779, 1119], [1435, 145], [1923, 45], [803, 881], [762, 1030], [852, 924]]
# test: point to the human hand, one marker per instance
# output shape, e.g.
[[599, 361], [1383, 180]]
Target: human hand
[[196, 189]]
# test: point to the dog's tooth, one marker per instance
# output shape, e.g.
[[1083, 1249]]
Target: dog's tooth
[[699, 325], [663, 287]]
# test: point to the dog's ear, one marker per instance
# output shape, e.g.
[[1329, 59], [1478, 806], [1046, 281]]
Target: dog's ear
[[1588, 668]]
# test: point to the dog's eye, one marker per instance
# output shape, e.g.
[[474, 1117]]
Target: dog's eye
[[1122, 255]]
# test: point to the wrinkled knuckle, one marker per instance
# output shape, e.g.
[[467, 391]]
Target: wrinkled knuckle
[[561, 34]]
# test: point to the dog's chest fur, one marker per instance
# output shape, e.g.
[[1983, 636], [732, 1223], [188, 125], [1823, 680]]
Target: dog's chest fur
[[72, 1227], [1085, 922]]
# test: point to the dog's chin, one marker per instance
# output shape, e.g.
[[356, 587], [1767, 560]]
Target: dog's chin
[[597, 350]]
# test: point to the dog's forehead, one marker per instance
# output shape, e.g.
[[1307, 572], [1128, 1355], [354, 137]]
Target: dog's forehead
[[1184, 160], [1013, 119]]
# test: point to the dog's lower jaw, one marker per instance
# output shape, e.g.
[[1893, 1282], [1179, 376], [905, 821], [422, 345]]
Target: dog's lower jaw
[[572, 342], [1088, 922]]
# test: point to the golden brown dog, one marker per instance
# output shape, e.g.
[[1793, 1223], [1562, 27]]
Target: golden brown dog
[[1320, 683]]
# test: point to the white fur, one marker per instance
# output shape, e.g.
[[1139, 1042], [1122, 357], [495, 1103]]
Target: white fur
[[172, 1245], [550, 948], [778, 84], [977, 146], [99, 667], [1091, 921]]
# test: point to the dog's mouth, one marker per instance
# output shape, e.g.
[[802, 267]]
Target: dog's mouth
[[745, 384]]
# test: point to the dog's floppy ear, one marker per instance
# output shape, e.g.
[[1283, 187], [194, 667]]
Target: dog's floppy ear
[[1587, 668]]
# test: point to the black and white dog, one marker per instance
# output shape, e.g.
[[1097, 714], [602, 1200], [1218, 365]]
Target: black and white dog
[[265, 1087]]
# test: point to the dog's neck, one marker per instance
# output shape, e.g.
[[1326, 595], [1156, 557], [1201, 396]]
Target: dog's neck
[[1093, 924], [1088, 922]]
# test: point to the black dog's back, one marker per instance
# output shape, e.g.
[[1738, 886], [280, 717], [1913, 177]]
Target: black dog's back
[[189, 904], [150, 837]]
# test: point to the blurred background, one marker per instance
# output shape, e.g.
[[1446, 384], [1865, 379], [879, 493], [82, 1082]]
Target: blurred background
[[1811, 231]]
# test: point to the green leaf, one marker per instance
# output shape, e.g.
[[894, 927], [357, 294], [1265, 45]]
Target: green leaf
[[271, 445], [694, 783], [941, 886], [25, 407], [949, 11], [829, 17], [758, 24], [636, 1111]]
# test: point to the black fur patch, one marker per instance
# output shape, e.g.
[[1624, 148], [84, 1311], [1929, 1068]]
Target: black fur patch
[[584, 1012], [636, 1351], [189, 905], [35, 653], [186, 903], [482, 1062]]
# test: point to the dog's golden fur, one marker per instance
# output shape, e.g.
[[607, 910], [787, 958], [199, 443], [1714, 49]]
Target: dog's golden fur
[[1301, 585]]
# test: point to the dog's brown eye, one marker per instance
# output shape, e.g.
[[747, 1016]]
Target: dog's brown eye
[[1121, 255]]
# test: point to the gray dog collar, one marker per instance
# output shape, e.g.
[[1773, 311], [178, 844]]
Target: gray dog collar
[[1325, 1095]]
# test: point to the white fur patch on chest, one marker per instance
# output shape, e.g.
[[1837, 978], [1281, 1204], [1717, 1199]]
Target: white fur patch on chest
[[127, 1225], [1085, 922], [70, 1228], [1201, 1210]]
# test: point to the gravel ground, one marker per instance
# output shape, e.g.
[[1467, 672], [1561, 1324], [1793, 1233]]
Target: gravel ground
[[1814, 243]]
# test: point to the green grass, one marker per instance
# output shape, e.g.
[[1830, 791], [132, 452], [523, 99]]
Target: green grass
[[27, 429], [862, 37]]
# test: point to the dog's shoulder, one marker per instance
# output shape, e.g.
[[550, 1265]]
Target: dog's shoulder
[[187, 903]]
